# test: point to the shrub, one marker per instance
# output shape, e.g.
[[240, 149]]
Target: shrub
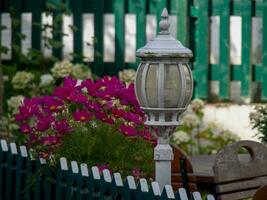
[[258, 119]]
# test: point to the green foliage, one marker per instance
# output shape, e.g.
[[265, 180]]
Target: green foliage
[[106, 146], [258, 119]]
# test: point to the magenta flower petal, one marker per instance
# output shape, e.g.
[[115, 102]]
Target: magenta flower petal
[[82, 115], [62, 126], [128, 130], [25, 128], [52, 104], [44, 123]]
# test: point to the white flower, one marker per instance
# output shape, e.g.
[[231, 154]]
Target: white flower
[[5, 78], [180, 137], [127, 75], [80, 71], [62, 69], [216, 127], [190, 120], [14, 102], [46, 79], [197, 104], [22, 79]]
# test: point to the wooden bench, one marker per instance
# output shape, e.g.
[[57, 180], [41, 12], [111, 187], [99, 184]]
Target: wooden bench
[[231, 176], [182, 171]]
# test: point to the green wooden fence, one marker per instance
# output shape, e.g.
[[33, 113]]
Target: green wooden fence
[[24, 178], [193, 30], [224, 72]]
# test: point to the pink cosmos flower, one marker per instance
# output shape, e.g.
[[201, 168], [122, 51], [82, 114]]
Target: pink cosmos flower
[[118, 112], [29, 108], [77, 97], [51, 104], [102, 167], [50, 140], [136, 173], [44, 123], [62, 93], [82, 115], [104, 118], [69, 82], [95, 107], [90, 86], [128, 130], [133, 118], [62, 126], [25, 128]]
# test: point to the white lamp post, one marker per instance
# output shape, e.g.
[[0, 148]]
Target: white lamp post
[[163, 87]]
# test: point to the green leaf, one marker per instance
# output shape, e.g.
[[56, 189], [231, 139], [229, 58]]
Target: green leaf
[[55, 43], [4, 49]]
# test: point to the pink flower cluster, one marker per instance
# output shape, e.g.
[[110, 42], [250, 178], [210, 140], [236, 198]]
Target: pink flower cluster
[[46, 119]]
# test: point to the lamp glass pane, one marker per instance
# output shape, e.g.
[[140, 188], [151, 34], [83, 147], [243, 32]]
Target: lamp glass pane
[[138, 82], [172, 81], [189, 88], [151, 86]]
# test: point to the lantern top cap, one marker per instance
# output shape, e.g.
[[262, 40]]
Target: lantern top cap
[[164, 45]]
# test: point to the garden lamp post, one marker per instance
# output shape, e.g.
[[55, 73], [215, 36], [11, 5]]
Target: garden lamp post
[[163, 87]]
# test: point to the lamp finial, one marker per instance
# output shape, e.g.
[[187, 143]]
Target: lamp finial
[[164, 23]]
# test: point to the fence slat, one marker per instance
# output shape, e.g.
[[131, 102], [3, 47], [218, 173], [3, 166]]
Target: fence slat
[[224, 58], [20, 176], [84, 181], [36, 8], [118, 9], [15, 10], [73, 182], [202, 51], [94, 182], [106, 185], [117, 185], [12, 162], [29, 178], [129, 188], [155, 192], [167, 193], [77, 10], [138, 7], [38, 179], [183, 22], [246, 48], [210, 197], [264, 50], [3, 167], [62, 174], [196, 196], [182, 194], [98, 65], [142, 189], [57, 28], [156, 7]]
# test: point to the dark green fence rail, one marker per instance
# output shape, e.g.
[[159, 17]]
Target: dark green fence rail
[[24, 178], [193, 30]]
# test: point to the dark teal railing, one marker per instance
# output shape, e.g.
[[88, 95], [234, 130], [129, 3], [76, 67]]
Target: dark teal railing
[[24, 178]]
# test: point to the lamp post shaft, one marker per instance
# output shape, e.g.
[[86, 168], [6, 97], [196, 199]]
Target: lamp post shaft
[[163, 155]]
